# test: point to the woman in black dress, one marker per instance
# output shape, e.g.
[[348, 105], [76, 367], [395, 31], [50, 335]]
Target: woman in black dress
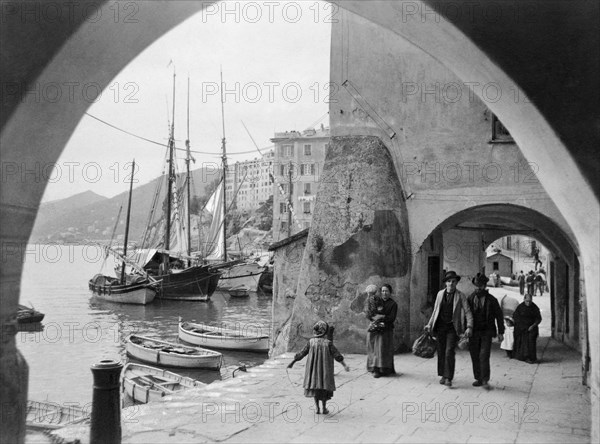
[[527, 317], [380, 343]]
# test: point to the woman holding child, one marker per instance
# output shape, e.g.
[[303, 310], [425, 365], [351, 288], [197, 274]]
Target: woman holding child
[[381, 311]]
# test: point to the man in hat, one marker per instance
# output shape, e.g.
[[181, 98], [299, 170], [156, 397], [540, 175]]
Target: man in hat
[[486, 314], [451, 317]]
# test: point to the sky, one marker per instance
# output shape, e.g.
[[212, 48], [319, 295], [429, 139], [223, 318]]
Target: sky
[[275, 62]]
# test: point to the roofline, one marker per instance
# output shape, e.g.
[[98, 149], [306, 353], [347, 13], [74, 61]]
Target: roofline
[[288, 240]]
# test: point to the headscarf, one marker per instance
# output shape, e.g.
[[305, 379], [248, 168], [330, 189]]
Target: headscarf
[[320, 329]]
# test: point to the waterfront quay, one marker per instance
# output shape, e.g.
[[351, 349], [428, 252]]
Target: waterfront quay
[[543, 402]]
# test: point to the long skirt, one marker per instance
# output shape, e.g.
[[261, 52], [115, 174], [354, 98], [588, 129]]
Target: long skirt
[[321, 395], [525, 345], [380, 352]]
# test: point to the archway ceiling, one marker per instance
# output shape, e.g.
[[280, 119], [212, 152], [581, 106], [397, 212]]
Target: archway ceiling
[[504, 219]]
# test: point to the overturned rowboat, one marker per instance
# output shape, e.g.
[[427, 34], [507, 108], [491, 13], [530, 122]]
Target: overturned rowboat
[[145, 384], [155, 351]]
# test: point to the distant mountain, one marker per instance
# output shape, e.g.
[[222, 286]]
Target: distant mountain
[[90, 216], [72, 202]]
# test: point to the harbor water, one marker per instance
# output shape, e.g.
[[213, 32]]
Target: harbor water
[[79, 330]]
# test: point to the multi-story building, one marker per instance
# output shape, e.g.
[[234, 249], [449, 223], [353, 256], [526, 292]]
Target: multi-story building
[[297, 165], [248, 182]]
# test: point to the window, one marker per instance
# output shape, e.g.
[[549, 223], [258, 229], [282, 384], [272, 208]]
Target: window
[[288, 187], [307, 150], [499, 132], [496, 267], [307, 188], [282, 208], [282, 170], [287, 150], [307, 169], [306, 207], [283, 225]]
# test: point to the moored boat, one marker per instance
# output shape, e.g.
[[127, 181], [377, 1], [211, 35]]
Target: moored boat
[[224, 338], [137, 289], [243, 274], [26, 315], [239, 292], [49, 415], [145, 384], [155, 351]]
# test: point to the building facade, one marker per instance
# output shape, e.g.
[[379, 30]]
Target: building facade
[[248, 182], [298, 163]]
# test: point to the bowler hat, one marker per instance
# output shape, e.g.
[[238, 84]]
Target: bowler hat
[[451, 275], [480, 279]]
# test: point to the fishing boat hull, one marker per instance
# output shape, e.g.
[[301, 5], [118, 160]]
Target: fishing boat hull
[[108, 289], [217, 337], [145, 384], [167, 355], [245, 274], [192, 284]]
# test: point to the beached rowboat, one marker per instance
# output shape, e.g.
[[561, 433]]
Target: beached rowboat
[[219, 337], [144, 383], [166, 354]]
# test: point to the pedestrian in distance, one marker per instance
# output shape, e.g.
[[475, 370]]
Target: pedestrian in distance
[[529, 281], [540, 284], [522, 283], [319, 382], [488, 323], [380, 335], [451, 317]]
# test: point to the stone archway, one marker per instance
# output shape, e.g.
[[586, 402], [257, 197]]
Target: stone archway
[[75, 51], [460, 243]]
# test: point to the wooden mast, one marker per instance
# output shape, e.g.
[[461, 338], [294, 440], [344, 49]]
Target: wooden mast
[[127, 223], [187, 162], [224, 164], [170, 179]]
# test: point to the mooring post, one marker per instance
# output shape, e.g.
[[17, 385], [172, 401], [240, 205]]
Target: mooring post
[[106, 406]]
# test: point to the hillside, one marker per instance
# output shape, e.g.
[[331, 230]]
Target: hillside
[[90, 216]]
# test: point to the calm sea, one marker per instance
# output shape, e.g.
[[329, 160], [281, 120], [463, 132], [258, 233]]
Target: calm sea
[[80, 330]]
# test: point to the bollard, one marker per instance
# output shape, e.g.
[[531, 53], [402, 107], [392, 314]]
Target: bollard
[[106, 408]]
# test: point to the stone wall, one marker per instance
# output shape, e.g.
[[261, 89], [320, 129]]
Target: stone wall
[[286, 268], [359, 236]]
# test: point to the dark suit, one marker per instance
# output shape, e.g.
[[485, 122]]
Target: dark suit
[[486, 314], [446, 326]]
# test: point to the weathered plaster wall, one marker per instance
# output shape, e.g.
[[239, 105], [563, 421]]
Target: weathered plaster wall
[[422, 292], [463, 254], [287, 261], [358, 237]]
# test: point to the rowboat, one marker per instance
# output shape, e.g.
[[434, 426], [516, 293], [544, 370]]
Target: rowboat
[[137, 290], [28, 315], [219, 337], [144, 383], [155, 351], [239, 292], [50, 415]]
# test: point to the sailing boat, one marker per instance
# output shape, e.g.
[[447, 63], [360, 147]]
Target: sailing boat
[[128, 288], [236, 274], [165, 249]]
